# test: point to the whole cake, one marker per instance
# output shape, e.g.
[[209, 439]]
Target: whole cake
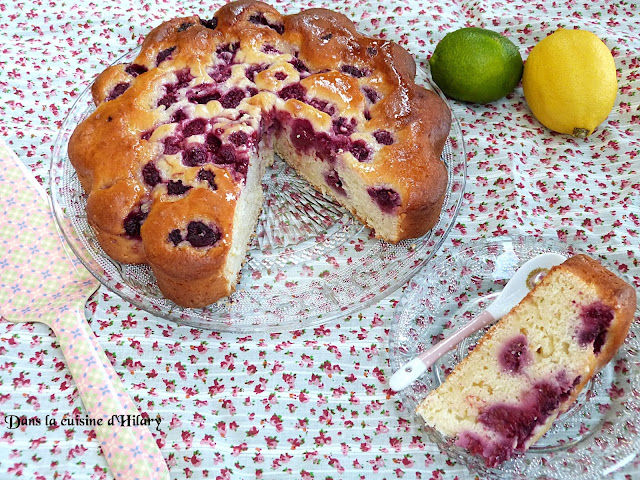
[[173, 156], [531, 365]]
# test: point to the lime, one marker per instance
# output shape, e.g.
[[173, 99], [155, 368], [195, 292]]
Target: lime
[[476, 65]]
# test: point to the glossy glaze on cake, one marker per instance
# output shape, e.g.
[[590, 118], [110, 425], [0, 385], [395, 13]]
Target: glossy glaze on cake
[[181, 136], [532, 364]]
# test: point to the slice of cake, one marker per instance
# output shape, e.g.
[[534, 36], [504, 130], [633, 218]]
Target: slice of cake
[[531, 365], [173, 156]]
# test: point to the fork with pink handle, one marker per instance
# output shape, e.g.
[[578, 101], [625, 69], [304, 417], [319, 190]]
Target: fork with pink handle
[[41, 282]]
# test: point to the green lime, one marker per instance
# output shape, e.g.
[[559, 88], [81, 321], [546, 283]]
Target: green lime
[[476, 65]]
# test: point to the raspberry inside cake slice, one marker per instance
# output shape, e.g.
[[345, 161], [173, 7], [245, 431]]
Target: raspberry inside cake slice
[[532, 364]]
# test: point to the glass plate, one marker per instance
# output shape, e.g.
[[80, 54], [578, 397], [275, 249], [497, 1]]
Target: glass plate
[[309, 262], [597, 435]]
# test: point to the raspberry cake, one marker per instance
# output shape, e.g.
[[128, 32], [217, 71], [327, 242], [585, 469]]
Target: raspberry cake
[[531, 365], [173, 156]]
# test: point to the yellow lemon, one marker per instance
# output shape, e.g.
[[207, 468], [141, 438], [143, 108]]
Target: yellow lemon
[[569, 82]]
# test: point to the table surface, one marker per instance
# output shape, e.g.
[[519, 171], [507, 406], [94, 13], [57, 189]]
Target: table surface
[[312, 403]]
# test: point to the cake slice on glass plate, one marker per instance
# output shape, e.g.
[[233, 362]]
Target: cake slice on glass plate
[[532, 364]]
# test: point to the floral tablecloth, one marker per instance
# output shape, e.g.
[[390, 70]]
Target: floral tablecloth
[[313, 403]]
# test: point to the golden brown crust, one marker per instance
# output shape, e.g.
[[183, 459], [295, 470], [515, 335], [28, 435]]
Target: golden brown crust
[[106, 209], [615, 293], [182, 261], [421, 181], [187, 275], [423, 184], [360, 76]]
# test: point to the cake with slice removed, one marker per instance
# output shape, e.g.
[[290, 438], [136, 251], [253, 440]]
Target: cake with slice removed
[[172, 157], [532, 364]]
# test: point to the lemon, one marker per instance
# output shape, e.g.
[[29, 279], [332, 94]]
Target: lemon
[[570, 82], [476, 65]]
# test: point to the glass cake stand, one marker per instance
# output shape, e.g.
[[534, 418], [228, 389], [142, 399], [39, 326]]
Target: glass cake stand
[[596, 436], [308, 263]]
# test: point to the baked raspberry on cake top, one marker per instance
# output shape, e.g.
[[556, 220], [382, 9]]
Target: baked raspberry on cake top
[[172, 157]]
